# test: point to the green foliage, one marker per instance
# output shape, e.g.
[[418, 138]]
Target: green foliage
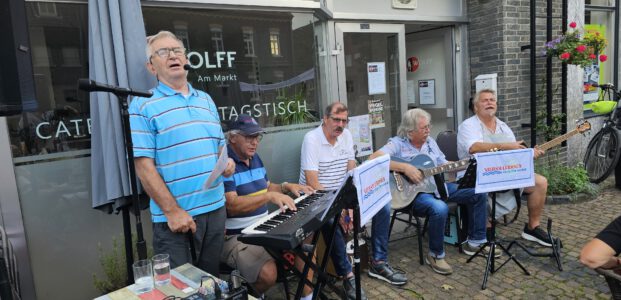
[[298, 116], [561, 178], [552, 131], [565, 180], [113, 265]]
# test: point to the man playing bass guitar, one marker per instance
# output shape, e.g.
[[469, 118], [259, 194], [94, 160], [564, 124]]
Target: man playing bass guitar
[[484, 131], [413, 140]]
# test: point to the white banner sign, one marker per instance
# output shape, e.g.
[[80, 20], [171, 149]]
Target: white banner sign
[[372, 185], [504, 170]]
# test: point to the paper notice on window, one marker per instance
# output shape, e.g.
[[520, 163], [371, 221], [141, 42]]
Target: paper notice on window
[[376, 73], [223, 160]]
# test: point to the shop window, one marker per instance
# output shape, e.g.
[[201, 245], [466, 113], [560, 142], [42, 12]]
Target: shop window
[[216, 37], [248, 35], [599, 19], [46, 9], [181, 31], [71, 56], [275, 42], [238, 60], [60, 56]]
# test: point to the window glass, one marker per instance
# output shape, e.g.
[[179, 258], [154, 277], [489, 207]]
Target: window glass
[[257, 63], [600, 22], [59, 43]]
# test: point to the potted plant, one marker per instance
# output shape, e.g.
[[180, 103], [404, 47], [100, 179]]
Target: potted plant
[[578, 48]]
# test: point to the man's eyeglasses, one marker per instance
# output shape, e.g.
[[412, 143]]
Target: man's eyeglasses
[[251, 138], [339, 120], [165, 52]]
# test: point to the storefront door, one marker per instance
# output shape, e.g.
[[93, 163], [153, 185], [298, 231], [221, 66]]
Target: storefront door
[[430, 78], [371, 74]]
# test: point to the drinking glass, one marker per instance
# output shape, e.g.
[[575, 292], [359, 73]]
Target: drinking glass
[[143, 276], [161, 269]]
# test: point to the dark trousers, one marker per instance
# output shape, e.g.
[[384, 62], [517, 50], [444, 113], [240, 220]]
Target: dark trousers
[[208, 241]]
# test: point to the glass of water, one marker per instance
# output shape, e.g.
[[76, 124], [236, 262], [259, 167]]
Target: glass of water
[[143, 276], [161, 269]]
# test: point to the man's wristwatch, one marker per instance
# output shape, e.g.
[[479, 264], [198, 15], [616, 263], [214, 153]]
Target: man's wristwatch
[[282, 187]]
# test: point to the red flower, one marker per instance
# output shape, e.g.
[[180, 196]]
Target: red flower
[[581, 48], [573, 24], [592, 56], [566, 55], [603, 58]]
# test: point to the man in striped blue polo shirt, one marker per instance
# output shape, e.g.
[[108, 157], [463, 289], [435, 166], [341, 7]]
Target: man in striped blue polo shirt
[[177, 138], [247, 193]]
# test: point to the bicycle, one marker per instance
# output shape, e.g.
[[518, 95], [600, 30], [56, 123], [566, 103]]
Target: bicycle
[[603, 150]]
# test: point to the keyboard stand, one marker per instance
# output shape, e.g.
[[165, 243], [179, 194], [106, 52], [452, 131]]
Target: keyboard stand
[[306, 253]]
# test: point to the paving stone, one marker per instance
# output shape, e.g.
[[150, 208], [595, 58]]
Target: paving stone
[[575, 224]]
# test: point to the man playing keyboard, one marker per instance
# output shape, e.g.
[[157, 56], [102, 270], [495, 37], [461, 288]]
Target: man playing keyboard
[[247, 193]]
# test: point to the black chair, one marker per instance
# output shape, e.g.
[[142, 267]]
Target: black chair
[[614, 282], [9, 277], [447, 141], [414, 220]]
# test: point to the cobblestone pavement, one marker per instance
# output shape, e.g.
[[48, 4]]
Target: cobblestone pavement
[[573, 223]]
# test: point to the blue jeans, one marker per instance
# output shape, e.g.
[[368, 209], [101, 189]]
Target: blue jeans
[[379, 240], [437, 212]]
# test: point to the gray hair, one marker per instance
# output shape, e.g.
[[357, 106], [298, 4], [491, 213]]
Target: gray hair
[[340, 107], [409, 121], [229, 134], [162, 34], [477, 96]]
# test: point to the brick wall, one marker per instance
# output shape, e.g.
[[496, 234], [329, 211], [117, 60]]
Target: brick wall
[[497, 31]]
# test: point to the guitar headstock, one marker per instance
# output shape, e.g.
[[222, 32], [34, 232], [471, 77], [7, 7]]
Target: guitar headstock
[[583, 126]]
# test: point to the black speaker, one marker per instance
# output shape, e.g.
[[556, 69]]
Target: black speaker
[[16, 76]]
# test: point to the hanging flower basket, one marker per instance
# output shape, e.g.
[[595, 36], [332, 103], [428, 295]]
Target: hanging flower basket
[[576, 48]]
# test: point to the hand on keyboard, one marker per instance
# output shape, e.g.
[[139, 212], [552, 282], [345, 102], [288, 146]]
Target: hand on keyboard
[[299, 190], [282, 201]]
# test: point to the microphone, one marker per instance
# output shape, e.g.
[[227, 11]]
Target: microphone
[[187, 67], [88, 85]]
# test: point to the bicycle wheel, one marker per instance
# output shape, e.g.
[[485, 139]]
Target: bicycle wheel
[[602, 154]]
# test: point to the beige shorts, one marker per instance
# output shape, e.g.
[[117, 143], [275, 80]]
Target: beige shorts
[[248, 259]]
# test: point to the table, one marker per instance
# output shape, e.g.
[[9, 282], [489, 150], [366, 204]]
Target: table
[[185, 281]]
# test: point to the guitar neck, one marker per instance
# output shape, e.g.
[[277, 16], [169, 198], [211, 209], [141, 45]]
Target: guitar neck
[[558, 140], [445, 168]]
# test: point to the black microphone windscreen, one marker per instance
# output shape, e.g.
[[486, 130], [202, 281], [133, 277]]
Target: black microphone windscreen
[[84, 84], [187, 67]]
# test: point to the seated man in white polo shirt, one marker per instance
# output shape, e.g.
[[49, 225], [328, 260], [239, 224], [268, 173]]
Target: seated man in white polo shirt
[[484, 132], [327, 154]]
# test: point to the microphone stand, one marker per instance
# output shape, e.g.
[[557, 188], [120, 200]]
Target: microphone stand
[[122, 94], [135, 199]]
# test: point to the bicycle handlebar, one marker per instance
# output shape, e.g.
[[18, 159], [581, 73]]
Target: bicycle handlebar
[[604, 85]]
